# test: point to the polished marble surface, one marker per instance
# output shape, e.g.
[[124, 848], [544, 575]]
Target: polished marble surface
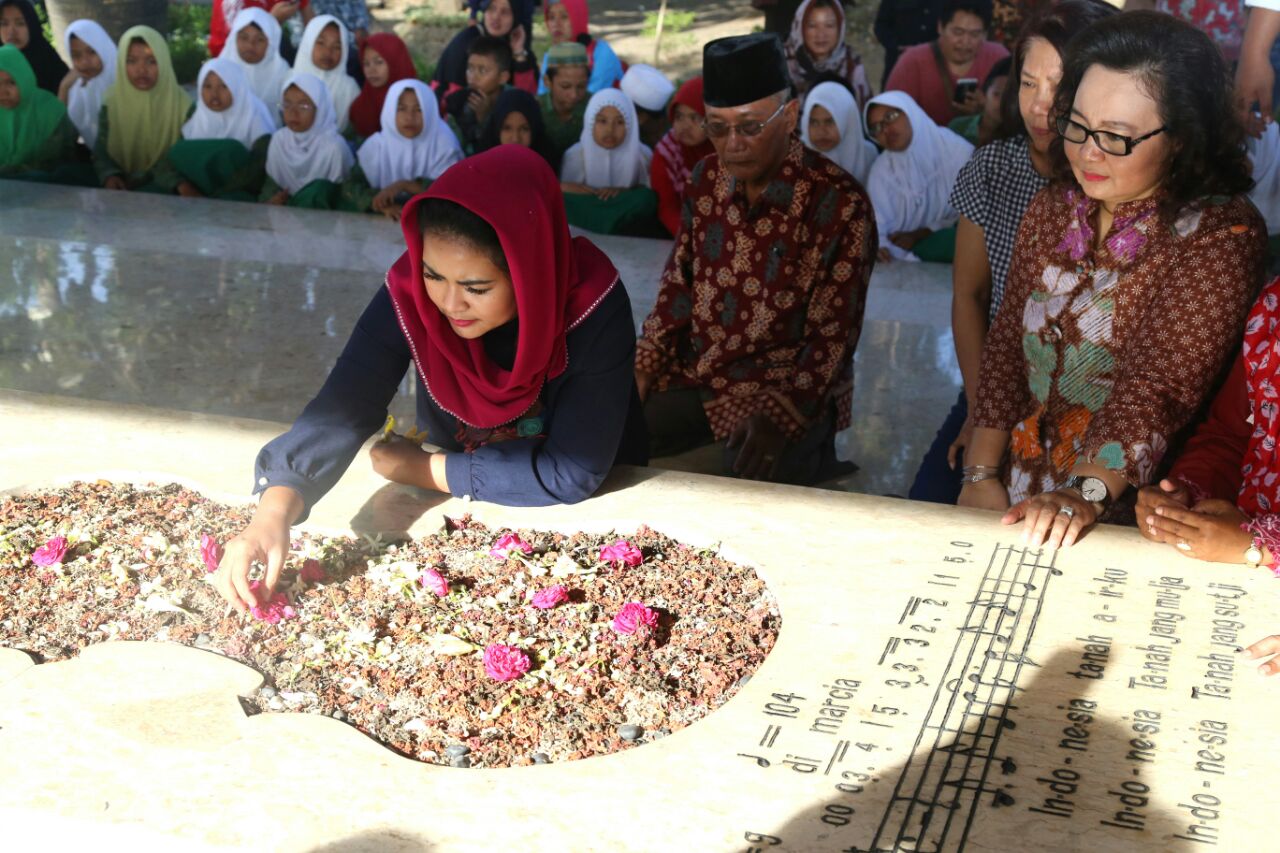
[[236, 309]]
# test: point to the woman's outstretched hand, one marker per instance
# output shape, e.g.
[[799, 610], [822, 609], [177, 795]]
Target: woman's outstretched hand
[[266, 541]]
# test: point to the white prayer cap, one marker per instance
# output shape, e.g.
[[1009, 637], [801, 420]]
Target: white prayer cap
[[648, 87]]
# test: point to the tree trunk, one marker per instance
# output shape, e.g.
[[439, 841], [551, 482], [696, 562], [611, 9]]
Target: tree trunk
[[116, 16]]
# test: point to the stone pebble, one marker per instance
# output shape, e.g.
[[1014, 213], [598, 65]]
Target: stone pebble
[[630, 731], [457, 750]]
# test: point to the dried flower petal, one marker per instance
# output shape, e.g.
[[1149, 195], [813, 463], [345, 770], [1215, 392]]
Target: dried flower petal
[[622, 552], [506, 544], [50, 553], [211, 552], [545, 599], [505, 663], [434, 581], [635, 617]]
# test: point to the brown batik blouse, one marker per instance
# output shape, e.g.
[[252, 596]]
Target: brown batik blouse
[[761, 304], [1102, 353]]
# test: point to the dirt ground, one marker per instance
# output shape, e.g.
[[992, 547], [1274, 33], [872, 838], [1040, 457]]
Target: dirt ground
[[622, 24]]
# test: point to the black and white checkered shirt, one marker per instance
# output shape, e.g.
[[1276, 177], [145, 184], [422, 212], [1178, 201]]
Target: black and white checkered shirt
[[994, 190]]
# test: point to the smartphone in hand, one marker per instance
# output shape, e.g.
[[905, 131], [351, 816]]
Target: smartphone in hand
[[965, 87]]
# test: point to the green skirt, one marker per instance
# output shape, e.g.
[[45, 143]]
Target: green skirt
[[939, 247], [212, 165], [633, 212], [317, 195]]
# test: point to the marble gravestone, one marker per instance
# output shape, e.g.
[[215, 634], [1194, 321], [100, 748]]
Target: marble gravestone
[[935, 686]]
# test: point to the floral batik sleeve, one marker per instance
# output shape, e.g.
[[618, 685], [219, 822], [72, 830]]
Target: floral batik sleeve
[[1191, 326], [670, 317], [1003, 389]]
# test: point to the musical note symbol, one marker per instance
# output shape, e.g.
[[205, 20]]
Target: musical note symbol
[[1010, 657], [762, 762]]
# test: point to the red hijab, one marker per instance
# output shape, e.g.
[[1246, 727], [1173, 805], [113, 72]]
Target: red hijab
[[579, 14], [680, 159], [558, 281], [366, 109]]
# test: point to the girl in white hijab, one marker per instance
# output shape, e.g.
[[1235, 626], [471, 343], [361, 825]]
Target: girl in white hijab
[[324, 55], [223, 149], [246, 119], [609, 154], [605, 176], [838, 134], [413, 148], [264, 68], [307, 153], [910, 182], [94, 61]]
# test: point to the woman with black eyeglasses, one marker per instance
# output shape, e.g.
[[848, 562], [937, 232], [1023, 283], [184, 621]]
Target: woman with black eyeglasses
[[1129, 284]]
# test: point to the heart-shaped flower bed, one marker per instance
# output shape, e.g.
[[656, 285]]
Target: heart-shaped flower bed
[[471, 647]]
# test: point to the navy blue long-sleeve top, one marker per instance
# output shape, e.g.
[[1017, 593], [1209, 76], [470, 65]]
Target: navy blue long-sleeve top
[[588, 418]]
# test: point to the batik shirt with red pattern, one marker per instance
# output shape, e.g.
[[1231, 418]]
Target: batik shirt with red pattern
[[1101, 353], [761, 303]]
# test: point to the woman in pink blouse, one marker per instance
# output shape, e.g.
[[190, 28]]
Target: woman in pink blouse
[[1129, 284]]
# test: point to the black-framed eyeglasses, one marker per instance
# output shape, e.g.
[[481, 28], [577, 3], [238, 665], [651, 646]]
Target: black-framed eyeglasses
[[876, 127], [721, 129], [1114, 144]]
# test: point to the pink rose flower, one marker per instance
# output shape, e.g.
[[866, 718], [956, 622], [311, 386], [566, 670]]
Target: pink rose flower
[[545, 599], [505, 663], [312, 571], [508, 543], [434, 581], [622, 552], [211, 552], [274, 609], [635, 617], [50, 553]]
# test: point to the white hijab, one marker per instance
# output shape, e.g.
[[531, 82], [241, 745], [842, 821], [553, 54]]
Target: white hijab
[[912, 189], [247, 119], [296, 159], [625, 166], [388, 156], [266, 77], [854, 153], [84, 100], [342, 89]]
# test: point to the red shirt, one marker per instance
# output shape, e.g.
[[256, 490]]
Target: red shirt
[[220, 27], [1210, 462], [917, 74]]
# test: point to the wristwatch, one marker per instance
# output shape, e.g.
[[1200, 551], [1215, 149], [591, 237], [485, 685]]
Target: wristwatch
[[1091, 489], [1253, 554]]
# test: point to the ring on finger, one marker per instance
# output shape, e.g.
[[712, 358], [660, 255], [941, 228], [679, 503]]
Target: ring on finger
[[1184, 545], [1067, 510]]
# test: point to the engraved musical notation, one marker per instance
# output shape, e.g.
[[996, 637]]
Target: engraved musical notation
[[954, 764]]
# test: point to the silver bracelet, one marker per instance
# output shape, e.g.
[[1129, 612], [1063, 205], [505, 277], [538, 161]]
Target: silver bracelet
[[977, 477]]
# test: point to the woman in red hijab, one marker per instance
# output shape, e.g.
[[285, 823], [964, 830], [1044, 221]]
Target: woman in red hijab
[[385, 59], [524, 347], [678, 152]]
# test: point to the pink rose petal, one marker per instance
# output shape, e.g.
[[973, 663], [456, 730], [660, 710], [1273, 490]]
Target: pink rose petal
[[505, 663], [274, 609], [622, 552], [211, 552], [312, 571], [506, 544], [50, 553], [635, 617], [545, 599], [434, 581]]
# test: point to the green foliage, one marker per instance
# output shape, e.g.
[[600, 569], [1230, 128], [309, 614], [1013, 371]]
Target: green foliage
[[675, 22], [425, 16], [44, 24], [188, 39], [424, 69]]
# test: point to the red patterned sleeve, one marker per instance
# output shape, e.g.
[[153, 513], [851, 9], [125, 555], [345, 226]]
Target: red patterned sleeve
[[1003, 392], [1210, 462], [1192, 324], [671, 314]]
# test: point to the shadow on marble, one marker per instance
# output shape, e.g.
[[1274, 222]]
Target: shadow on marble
[[238, 309]]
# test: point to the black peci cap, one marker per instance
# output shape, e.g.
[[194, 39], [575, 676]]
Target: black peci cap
[[742, 69]]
